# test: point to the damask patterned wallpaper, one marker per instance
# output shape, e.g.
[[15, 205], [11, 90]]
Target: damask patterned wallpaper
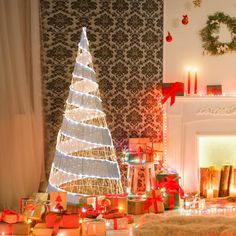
[[126, 43]]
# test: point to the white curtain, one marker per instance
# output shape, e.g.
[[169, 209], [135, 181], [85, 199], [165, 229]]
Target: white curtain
[[21, 123]]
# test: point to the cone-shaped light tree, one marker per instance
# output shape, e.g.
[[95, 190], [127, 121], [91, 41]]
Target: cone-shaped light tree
[[85, 161]]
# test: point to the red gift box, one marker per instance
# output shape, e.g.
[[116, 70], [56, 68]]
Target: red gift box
[[214, 89], [170, 90], [10, 217], [57, 221]]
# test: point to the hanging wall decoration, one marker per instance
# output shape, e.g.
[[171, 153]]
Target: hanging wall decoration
[[210, 34], [185, 20], [169, 37]]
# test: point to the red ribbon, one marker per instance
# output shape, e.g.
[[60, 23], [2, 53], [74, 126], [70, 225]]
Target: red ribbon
[[149, 150], [9, 212], [153, 200], [172, 187], [115, 224], [171, 92]]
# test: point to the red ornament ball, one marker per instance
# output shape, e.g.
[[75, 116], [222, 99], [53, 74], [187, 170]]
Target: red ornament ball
[[169, 37], [185, 20]]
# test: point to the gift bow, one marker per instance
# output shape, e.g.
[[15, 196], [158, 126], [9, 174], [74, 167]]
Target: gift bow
[[170, 92], [9, 212], [171, 185]]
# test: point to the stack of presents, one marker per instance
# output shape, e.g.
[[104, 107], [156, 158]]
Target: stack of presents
[[50, 214]]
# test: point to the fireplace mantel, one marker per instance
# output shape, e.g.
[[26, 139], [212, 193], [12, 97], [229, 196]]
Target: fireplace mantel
[[187, 119]]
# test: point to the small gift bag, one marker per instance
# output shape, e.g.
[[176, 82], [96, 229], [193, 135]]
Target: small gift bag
[[35, 206], [58, 201]]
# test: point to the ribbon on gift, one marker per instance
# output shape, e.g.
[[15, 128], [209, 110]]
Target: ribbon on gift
[[153, 200], [172, 187], [63, 220], [86, 210], [7, 212], [171, 92], [115, 224]]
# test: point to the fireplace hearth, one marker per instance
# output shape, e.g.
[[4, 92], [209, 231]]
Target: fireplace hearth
[[190, 118]]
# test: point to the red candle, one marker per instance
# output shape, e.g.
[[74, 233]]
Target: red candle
[[195, 82], [188, 92]]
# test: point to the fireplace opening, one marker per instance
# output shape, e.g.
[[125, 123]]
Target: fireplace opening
[[217, 165]]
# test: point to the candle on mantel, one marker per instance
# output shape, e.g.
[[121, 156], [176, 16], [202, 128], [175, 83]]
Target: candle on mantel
[[188, 70], [209, 193], [195, 81]]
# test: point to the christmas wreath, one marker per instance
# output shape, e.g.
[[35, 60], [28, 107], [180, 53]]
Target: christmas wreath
[[210, 39]]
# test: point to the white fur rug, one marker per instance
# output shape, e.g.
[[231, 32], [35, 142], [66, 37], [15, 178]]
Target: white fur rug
[[161, 225]]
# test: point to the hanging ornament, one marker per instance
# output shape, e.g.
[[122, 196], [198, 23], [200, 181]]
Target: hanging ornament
[[197, 3], [169, 37], [185, 20]]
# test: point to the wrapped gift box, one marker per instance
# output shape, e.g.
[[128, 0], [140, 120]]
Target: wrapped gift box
[[93, 228], [172, 193], [117, 223], [167, 86], [65, 220], [42, 230], [136, 143], [58, 201], [92, 201], [10, 217], [155, 202], [118, 202], [214, 89], [14, 229], [137, 207], [136, 157]]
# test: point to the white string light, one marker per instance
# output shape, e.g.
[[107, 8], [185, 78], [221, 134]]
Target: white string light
[[84, 150]]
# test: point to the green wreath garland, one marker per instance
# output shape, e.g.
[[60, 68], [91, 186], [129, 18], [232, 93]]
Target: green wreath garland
[[211, 44]]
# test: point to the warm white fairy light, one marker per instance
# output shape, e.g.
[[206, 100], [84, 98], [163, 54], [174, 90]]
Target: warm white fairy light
[[85, 161]]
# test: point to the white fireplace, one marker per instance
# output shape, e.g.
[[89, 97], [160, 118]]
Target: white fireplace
[[190, 119]]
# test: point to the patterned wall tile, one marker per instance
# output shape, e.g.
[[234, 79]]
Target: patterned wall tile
[[126, 43]]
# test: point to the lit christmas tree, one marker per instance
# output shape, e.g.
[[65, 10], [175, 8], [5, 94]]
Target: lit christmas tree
[[85, 161]]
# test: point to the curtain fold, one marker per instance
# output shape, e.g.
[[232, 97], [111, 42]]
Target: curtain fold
[[21, 123]]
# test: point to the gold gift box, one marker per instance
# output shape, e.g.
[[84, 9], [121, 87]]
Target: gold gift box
[[93, 227], [42, 230]]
